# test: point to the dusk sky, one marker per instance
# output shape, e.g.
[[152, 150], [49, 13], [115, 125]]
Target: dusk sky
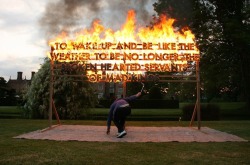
[[23, 43]]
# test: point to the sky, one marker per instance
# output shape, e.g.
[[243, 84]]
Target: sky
[[23, 41], [22, 46]]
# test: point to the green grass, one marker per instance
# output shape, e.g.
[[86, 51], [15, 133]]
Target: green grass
[[23, 151]]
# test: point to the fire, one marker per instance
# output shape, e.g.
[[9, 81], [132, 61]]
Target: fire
[[130, 50]]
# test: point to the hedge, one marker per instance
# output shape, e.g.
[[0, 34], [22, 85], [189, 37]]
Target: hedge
[[146, 104], [208, 112]]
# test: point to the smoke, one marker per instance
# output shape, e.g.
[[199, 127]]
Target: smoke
[[72, 15]]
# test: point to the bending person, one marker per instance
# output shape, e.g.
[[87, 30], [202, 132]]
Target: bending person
[[118, 112]]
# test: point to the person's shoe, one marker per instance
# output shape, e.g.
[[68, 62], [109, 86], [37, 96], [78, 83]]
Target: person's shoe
[[123, 133]]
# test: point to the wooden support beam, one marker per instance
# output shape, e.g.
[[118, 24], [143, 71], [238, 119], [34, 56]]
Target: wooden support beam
[[198, 95], [51, 92], [56, 114]]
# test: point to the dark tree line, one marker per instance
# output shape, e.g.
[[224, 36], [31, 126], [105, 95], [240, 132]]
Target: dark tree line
[[222, 30], [7, 95], [73, 99]]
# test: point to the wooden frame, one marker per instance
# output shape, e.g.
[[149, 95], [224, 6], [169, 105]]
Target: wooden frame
[[195, 112]]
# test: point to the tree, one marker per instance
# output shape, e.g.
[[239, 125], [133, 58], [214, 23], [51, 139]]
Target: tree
[[72, 98], [234, 18], [7, 95], [180, 10], [2, 82], [3, 90], [222, 35], [155, 93]]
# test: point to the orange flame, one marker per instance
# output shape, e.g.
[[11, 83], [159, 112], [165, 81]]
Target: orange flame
[[129, 50]]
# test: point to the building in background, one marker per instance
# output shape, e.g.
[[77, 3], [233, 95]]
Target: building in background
[[108, 90], [20, 85], [12, 92]]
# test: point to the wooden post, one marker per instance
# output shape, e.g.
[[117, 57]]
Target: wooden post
[[51, 92], [194, 113], [198, 95], [124, 89], [56, 114]]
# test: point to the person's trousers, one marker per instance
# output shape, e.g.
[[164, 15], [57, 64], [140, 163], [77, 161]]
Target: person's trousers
[[120, 117]]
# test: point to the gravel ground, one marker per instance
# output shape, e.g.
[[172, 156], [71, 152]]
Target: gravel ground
[[134, 134]]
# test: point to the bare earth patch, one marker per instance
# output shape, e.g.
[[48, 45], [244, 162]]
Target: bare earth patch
[[134, 134]]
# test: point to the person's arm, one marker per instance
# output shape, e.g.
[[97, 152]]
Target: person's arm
[[110, 117], [133, 97], [109, 121], [138, 94]]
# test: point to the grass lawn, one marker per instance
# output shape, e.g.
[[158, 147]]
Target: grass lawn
[[22, 151]]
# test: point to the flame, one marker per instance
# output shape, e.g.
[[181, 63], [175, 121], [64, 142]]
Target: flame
[[131, 49]]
